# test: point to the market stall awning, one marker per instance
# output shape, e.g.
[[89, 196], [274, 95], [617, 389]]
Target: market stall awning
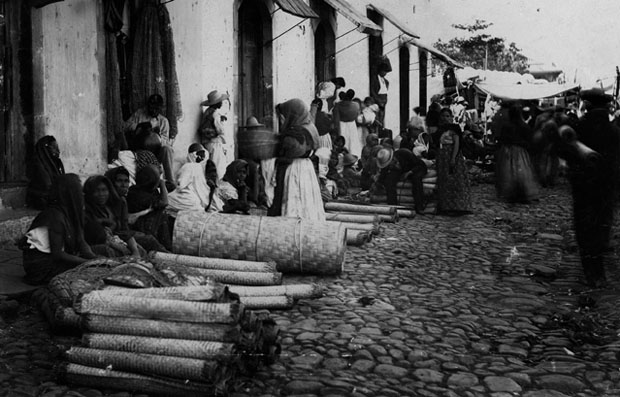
[[524, 91], [436, 53], [297, 8], [395, 21], [363, 24]]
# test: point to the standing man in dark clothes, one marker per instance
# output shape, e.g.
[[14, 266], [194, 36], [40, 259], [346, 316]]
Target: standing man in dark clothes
[[379, 86], [594, 183], [394, 165]]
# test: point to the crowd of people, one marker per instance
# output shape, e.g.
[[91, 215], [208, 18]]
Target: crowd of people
[[323, 149]]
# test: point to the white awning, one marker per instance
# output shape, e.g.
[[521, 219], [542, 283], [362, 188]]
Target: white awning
[[524, 91], [297, 8], [395, 21], [363, 24]]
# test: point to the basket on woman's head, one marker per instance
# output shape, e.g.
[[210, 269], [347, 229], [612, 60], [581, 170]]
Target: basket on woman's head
[[255, 141]]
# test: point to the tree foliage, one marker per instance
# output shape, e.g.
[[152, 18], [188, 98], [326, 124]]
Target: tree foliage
[[479, 46]]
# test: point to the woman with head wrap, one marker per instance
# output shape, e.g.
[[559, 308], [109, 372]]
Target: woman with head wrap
[[146, 202], [104, 218], [46, 165], [297, 191], [55, 240], [232, 190], [196, 184]]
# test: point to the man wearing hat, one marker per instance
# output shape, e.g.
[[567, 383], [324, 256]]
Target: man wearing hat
[[211, 130], [395, 165], [594, 184], [151, 113]]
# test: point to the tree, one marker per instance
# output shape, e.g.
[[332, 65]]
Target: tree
[[480, 49]]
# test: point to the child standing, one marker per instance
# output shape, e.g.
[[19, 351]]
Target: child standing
[[211, 130]]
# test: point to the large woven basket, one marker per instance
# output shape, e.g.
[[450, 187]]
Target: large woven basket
[[295, 245], [257, 144]]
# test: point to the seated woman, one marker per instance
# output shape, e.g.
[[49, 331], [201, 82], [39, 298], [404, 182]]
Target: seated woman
[[45, 166], [196, 184], [103, 217], [146, 202], [119, 177], [232, 189], [55, 240]]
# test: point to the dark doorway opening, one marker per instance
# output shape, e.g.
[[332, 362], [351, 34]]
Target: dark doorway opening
[[324, 50], [403, 70], [423, 57], [375, 45], [255, 62]]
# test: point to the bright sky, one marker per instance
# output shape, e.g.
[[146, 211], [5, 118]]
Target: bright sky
[[570, 33]]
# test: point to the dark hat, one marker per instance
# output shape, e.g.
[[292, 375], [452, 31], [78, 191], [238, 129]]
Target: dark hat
[[195, 147], [349, 159], [214, 97], [339, 81], [596, 96]]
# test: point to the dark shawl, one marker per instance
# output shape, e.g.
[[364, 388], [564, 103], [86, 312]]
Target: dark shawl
[[232, 172], [297, 114], [144, 194], [115, 210], [45, 168]]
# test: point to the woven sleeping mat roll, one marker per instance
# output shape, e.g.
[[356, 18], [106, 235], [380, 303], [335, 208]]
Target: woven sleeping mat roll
[[212, 292], [373, 228], [119, 380], [164, 309], [295, 245], [352, 218], [358, 237], [297, 291], [214, 263], [202, 350], [150, 364], [335, 206]]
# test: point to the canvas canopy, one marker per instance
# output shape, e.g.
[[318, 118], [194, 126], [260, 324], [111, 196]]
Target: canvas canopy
[[524, 91]]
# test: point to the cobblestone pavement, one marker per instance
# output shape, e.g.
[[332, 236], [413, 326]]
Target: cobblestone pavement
[[488, 304]]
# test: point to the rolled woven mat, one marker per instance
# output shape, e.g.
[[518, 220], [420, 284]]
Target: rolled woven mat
[[213, 292], [162, 309], [267, 302], [405, 213], [335, 206], [402, 200], [160, 329], [149, 364], [297, 291], [296, 245], [432, 180], [432, 173], [374, 228], [118, 380], [357, 237], [351, 218], [204, 350], [240, 278], [431, 186], [215, 263]]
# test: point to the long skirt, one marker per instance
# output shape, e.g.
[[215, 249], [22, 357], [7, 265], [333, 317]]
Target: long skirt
[[514, 176], [325, 141], [217, 154], [453, 187], [352, 139], [302, 192], [40, 267]]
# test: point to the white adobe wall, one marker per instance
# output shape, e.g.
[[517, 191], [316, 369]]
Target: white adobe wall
[[68, 57]]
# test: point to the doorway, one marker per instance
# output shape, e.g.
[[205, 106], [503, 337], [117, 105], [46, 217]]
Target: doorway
[[403, 71], [324, 50], [255, 62], [375, 45], [423, 57]]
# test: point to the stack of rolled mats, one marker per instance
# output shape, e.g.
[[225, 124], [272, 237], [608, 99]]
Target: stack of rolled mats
[[361, 221], [404, 192], [185, 341]]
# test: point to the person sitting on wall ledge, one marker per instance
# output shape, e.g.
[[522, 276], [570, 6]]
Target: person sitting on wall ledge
[[151, 113]]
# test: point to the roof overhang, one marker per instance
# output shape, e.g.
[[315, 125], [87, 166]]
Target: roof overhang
[[297, 8], [395, 21], [435, 52], [363, 24]]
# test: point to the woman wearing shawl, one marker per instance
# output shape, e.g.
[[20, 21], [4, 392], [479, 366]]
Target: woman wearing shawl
[[297, 191], [146, 202], [453, 189], [119, 177], [46, 165], [345, 115], [103, 218], [232, 189], [196, 184], [55, 241]]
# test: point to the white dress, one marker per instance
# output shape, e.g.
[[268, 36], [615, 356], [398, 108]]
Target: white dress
[[302, 193], [353, 143], [192, 192]]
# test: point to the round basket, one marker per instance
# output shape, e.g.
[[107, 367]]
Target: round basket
[[257, 144], [295, 245]]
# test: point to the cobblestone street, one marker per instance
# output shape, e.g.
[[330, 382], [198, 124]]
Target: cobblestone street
[[489, 304]]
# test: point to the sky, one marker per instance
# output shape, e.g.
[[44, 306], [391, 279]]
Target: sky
[[570, 33]]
